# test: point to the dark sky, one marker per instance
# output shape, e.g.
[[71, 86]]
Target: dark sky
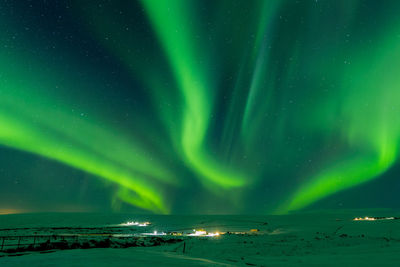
[[199, 106]]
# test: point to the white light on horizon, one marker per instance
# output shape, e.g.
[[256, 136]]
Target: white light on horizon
[[141, 224]]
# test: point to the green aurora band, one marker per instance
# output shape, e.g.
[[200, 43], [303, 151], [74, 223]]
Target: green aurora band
[[170, 21], [372, 126], [289, 101], [30, 123]]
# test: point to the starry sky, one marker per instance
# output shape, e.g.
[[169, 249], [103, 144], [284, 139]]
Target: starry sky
[[201, 107]]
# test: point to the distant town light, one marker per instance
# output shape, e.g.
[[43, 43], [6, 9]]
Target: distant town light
[[136, 224], [202, 232], [213, 234], [199, 232], [374, 218]]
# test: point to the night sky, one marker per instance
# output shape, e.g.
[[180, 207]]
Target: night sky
[[195, 106]]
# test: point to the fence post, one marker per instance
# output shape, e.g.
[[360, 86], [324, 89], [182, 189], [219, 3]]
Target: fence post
[[2, 244], [19, 241], [34, 241]]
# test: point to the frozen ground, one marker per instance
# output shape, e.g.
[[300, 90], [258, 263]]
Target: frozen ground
[[319, 239]]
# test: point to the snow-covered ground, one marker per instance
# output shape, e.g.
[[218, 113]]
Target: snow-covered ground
[[318, 239]]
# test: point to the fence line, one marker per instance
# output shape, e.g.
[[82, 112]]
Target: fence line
[[33, 240]]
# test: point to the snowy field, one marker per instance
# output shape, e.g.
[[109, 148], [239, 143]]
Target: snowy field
[[317, 239]]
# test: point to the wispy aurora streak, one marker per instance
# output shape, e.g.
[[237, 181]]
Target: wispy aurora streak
[[260, 106]]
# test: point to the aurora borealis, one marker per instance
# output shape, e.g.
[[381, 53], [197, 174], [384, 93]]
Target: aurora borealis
[[199, 106]]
